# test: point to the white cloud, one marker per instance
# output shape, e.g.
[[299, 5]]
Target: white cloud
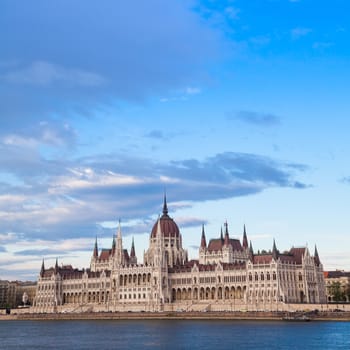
[[88, 178], [45, 73], [319, 45], [299, 32], [192, 90], [232, 12], [18, 140]]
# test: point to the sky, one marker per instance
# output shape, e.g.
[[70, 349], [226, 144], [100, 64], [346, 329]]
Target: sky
[[239, 110]]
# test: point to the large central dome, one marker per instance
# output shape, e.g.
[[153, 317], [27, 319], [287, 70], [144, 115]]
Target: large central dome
[[168, 226]]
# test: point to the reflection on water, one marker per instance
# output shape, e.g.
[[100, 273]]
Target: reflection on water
[[173, 334]]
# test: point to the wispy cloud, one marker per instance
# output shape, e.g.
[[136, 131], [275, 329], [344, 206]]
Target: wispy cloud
[[156, 134], [232, 12], [190, 90], [345, 180], [45, 73], [256, 118], [182, 94], [45, 132], [322, 45], [71, 200], [260, 40], [99, 61], [190, 221], [299, 32]]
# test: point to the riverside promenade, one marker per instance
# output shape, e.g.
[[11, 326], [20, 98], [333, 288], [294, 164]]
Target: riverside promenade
[[263, 316]]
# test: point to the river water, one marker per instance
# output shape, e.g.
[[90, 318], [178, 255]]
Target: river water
[[173, 334]]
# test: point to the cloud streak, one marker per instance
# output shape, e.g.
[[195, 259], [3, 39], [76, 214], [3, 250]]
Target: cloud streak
[[256, 118], [78, 63], [299, 32], [45, 74], [73, 198]]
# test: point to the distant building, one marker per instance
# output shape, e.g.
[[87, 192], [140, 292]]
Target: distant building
[[11, 293], [7, 294], [228, 275], [338, 286], [28, 288]]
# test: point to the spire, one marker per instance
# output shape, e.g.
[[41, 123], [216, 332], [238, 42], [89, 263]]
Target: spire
[[119, 234], [274, 250], [42, 270], [316, 257], [95, 249], [203, 240], [227, 238], [56, 266], [165, 206], [113, 245], [251, 251], [132, 250], [119, 252], [221, 235], [245, 239]]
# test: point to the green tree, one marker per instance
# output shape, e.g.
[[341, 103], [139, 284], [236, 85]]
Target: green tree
[[336, 292]]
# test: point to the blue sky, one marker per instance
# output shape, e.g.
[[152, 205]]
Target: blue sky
[[239, 109]]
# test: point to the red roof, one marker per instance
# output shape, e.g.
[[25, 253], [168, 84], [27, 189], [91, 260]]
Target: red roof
[[298, 254], [216, 244], [168, 227], [262, 259], [105, 254]]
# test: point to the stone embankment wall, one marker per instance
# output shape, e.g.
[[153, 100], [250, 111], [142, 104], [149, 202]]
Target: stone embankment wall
[[182, 310], [263, 316]]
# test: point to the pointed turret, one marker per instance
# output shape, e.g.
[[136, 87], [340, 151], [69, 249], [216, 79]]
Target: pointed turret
[[251, 250], [159, 239], [119, 233], [203, 240], [133, 259], [227, 238], [56, 266], [113, 245], [159, 231], [245, 239], [132, 250], [165, 206], [274, 250], [42, 270], [316, 257], [221, 236], [119, 252], [95, 249]]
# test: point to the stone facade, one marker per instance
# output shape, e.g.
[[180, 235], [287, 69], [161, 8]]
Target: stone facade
[[228, 275], [7, 294], [11, 293], [338, 286]]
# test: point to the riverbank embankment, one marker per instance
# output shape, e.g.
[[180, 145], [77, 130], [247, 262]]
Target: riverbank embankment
[[263, 316]]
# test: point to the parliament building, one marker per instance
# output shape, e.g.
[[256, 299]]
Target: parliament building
[[227, 276]]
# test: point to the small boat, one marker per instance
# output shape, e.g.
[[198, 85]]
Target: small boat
[[296, 318]]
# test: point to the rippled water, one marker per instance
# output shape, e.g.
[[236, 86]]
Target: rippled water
[[173, 334]]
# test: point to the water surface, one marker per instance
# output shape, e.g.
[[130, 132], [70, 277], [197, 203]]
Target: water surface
[[173, 334]]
